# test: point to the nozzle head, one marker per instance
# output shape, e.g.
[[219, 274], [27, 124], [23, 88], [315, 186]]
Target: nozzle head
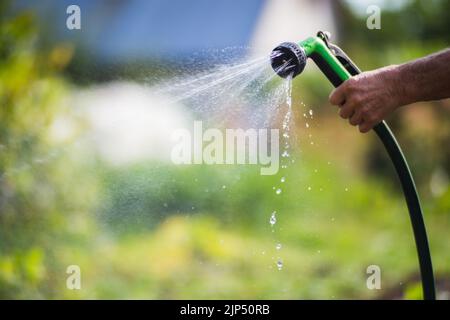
[[288, 59]]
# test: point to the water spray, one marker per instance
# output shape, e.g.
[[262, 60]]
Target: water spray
[[289, 60]]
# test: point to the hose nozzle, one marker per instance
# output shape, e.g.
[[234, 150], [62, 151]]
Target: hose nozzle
[[288, 59]]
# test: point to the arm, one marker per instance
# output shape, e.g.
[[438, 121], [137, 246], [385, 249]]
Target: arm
[[369, 97]]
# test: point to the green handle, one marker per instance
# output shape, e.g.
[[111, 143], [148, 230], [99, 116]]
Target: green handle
[[316, 49]]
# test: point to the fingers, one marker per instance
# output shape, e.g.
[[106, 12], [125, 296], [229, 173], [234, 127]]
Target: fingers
[[365, 127], [369, 120], [354, 105], [356, 118], [358, 115], [337, 96], [347, 110], [355, 114]]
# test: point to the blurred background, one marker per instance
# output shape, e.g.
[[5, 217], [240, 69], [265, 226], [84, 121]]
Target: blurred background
[[85, 177]]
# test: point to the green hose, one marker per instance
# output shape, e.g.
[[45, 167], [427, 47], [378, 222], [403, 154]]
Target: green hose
[[415, 211], [401, 166], [338, 67]]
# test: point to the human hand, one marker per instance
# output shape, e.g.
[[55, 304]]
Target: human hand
[[367, 98]]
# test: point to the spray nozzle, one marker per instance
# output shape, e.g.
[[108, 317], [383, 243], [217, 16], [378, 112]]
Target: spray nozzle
[[288, 59]]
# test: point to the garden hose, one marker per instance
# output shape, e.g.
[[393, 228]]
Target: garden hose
[[290, 59]]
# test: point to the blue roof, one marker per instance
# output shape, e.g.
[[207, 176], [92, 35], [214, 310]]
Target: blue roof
[[149, 28]]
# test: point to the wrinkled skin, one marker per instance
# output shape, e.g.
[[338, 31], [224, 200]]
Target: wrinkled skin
[[366, 99]]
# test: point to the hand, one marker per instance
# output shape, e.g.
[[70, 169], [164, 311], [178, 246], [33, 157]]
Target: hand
[[366, 99]]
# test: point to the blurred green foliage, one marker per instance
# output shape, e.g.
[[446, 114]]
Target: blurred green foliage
[[39, 185], [153, 230], [153, 246]]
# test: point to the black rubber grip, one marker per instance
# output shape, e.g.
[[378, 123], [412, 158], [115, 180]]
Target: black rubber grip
[[327, 71]]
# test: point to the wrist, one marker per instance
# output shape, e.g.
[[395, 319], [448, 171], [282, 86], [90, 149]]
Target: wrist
[[402, 91]]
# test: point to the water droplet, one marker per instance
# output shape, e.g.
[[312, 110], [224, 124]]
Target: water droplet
[[278, 246], [279, 264], [307, 125], [283, 179], [278, 191], [318, 251], [346, 189], [285, 154], [273, 218], [310, 112], [286, 135], [309, 188], [224, 187]]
